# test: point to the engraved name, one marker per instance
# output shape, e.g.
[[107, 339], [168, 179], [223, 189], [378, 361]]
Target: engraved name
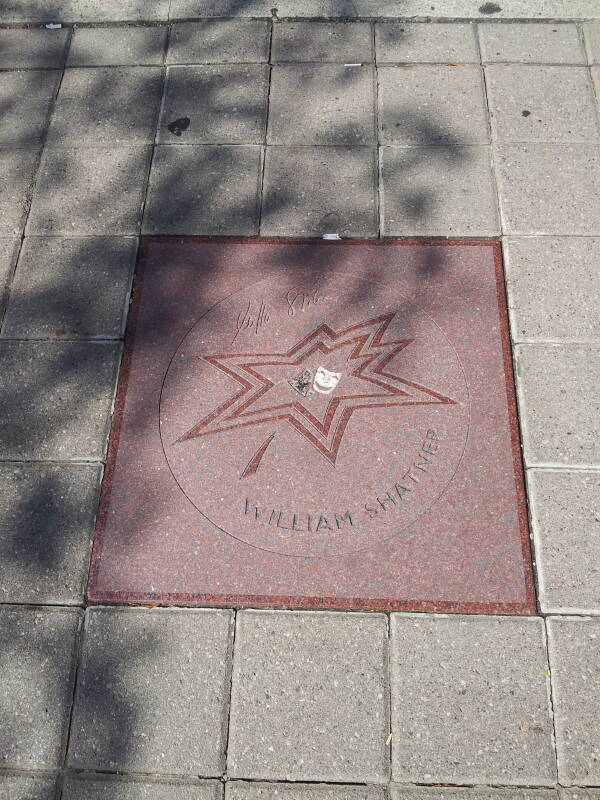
[[290, 521], [389, 499], [403, 488]]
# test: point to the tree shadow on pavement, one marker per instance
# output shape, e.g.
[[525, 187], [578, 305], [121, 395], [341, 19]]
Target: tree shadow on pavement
[[56, 393]]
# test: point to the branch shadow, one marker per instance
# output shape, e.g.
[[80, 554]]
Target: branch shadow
[[57, 392]]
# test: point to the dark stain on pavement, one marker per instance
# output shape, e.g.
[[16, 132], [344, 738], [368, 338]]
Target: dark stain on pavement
[[490, 8], [178, 126]]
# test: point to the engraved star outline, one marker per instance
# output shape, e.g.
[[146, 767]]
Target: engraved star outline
[[371, 355]]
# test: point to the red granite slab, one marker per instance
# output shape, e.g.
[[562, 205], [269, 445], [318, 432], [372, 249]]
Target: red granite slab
[[316, 424]]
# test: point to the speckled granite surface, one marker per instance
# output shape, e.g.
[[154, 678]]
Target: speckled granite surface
[[242, 472]]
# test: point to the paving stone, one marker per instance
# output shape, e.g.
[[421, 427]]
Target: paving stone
[[443, 190], [9, 250], [426, 42], [432, 104], [25, 98], [136, 10], [27, 787], [95, 106], [32, 48], [544, 104], [219, 41], [189, 9], [559, 399], [126, 788], [65, 288], [38, 665], [47, 514], [574, 647], [224, 104], [485, 675], [56, 399], [17, 171], [152, 691], [322, 104], [126, 45], [299, 679], [241, 790], [549, 188], [309, 191], [469, 793], [198, 190], [538, 43], [90, 191], [66, 11], [579, 794], [595, 71], [344, 42], [451, 9], [591, 31], [565, 516], [535, 268]]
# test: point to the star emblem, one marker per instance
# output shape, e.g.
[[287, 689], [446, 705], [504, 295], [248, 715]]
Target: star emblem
[[357, 353]]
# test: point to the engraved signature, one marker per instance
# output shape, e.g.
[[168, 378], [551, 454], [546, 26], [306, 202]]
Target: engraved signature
[[249, 319], [300, 300]]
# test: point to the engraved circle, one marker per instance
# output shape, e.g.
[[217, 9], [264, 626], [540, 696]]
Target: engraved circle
[[313, 418]]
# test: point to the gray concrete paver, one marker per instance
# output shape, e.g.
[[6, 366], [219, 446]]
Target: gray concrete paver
[[17, 173], [322, 104], [432, 105], [470, 793], [549, 188], [538, 43], [595, 71], [106, 105], [96, 190], [591, 32], [550, 282], [574, 646], [38, 668], [219, 41], [405, 42], [565, 515], [67, 11], [559, 403], [541, 103], [47, 514], [152, 691], [451, 9], [124, 788], [56, 399], [9, 250], [483, 675], [25, 99], [243, 790], [117, 46], [308, 697], [579, 794], [222, 104], [32, 48], [343, 42], [67, 288], [310, 191], [204, 190], [438, 191], [27, 787]]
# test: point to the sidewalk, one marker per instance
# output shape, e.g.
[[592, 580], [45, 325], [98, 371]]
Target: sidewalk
[[483, 127]]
